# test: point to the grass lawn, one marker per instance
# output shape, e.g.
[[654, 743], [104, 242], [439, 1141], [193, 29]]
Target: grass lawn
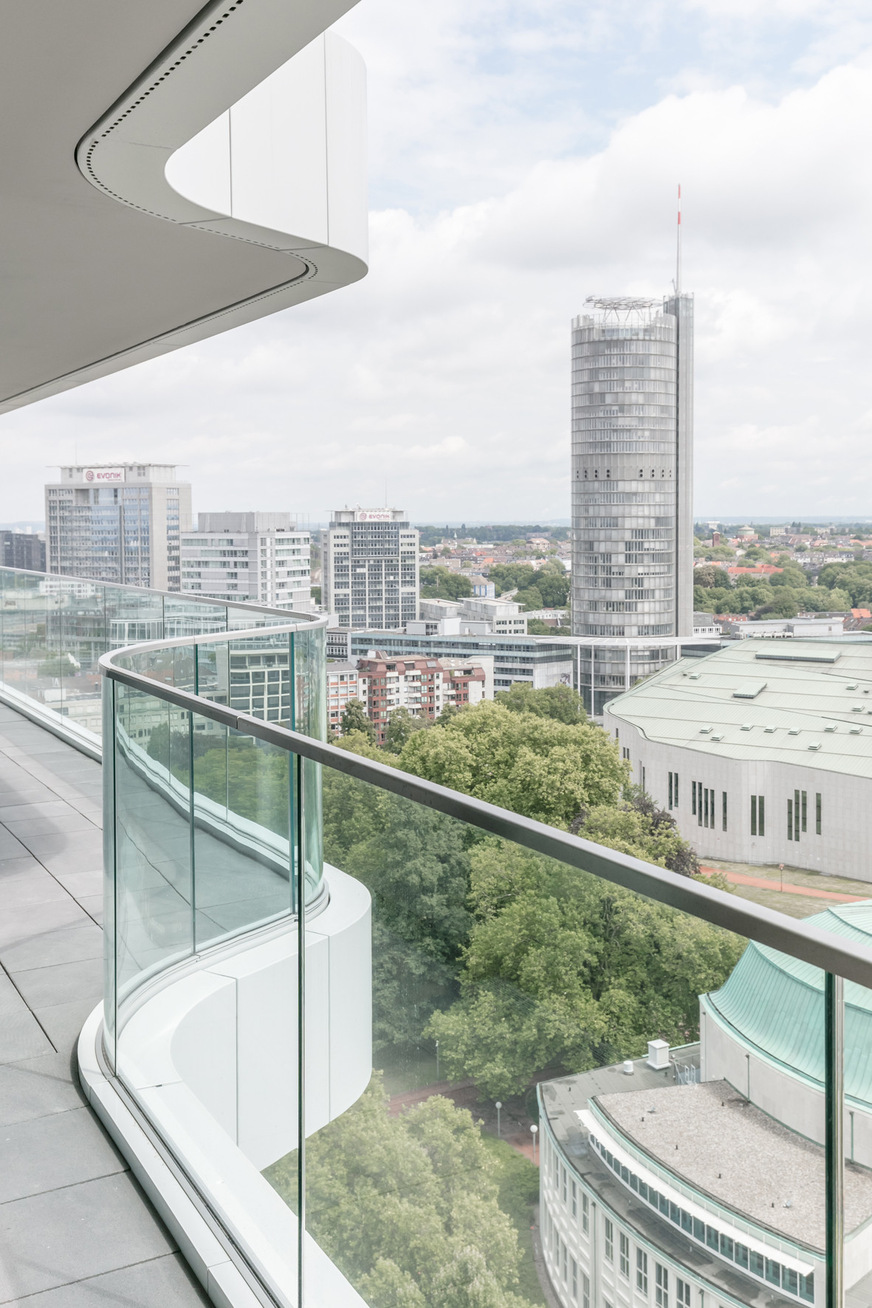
[[518, 1182], [792, 905]]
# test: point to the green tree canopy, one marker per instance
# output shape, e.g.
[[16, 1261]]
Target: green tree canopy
[[559, 702], [354, 719], [441, 583], [565, 971], [407, 1207], [710, 578], [401, 725], [533, 765]]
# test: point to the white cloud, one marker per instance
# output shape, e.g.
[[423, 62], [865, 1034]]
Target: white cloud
[[445, 373]]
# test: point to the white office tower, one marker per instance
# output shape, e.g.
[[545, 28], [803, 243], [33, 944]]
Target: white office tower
[[632, 484], [259, 558], [370, 569], [118, 523]]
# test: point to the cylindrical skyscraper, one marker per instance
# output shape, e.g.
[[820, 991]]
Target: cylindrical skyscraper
[[632, 483]]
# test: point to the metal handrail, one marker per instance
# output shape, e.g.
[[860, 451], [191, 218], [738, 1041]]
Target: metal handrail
[[764, 925]]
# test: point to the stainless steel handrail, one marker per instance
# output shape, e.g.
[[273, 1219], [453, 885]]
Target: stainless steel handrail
[[764, 925]]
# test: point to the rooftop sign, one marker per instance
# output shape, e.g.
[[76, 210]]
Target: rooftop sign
[[111, 475]]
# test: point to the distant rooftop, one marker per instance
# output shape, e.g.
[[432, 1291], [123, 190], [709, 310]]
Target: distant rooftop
[[812, 702], [712, 1138]]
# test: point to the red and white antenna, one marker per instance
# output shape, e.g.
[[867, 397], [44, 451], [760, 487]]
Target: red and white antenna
[[678, 247]]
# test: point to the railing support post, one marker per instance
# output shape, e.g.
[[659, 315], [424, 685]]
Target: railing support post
[[834, 1041]]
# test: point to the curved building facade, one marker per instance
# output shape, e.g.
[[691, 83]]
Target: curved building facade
[[696, 1178], [632, 441]]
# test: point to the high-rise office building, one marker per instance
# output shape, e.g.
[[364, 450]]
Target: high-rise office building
[[120, 523], [370, 568], [22, 549], [632, 478], [260, 558]]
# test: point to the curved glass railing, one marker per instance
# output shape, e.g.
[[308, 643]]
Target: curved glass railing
[[518, 974], [54, 629]]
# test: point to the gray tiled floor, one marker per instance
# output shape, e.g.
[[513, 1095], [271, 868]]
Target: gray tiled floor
[[75, 1229]]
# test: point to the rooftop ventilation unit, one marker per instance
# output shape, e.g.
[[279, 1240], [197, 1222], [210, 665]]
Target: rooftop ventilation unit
[[694, 676], [815, 745], [857, 708], [746, 726], [856, 731], [628, 1067], [794, 731], [718, 736], [749, 689], [798, 656], [704, 731], [831, 726], [658, 1055], [769, 730], [853, 685]]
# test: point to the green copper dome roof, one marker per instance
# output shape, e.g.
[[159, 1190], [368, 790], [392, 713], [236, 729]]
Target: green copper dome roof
[[775, 1004]]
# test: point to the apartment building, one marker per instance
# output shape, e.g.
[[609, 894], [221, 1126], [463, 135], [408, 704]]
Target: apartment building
[[120, 523], [259, 558], [370, 568], [22, 549]]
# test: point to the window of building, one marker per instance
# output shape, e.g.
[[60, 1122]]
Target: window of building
[[804, 798], [563, 1181], [817, 813], [642, 1271], [565, 1258], [625, 1255], [723, 810], [574, 1281], [661, 1286], [758, 815], [585, 1290], [585, 1213], [609, 1234], [575, 1200], [682, 1293], [790, 819], [693, 798]]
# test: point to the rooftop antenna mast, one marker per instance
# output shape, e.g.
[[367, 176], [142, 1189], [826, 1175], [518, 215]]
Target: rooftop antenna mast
[[678, 246]]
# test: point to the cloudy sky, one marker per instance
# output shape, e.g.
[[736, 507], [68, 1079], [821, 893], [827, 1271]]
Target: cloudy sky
[[524, 155]]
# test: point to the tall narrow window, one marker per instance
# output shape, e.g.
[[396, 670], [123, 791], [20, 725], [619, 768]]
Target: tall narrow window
[[609, 1239], [753, 815], [661, 1286], [585, 1290], [642, 1271], [699, 803], [585, 1213], [761, 815], [625, 1255], [705, 797], [643, 778], [790, 819], [796, 815], [724, 809], [817, 813], [574, 1281], [574, 1199], [682, 1293], [675, 787], [670, 790], [693, 798], [804, 810]]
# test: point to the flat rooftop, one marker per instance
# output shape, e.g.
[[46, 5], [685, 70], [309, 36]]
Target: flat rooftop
[[713, 1139], [807, 702]]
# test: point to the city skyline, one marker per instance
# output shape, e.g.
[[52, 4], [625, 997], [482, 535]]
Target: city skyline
[[450, 355]]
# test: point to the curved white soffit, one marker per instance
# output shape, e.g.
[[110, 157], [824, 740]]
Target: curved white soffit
[[282, 170]]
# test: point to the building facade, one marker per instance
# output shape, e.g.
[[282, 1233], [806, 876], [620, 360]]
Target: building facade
[[118, 523], [422, 686], [632, 473], [259, 558], [23, 549], [532, 659], [370, 571], [695, 1177], [761, 752]]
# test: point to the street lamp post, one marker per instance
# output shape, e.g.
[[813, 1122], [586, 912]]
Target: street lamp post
[[533, 1130], [437, 1060], [498, 1107]]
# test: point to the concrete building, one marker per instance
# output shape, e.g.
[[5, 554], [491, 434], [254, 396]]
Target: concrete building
[[259, 558], [475, 615], [23, 549], [422, 686], [761, 752], [533, 659], [695, 1177], [118, 522], [370, 568], [342, 686], [632, 473]]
